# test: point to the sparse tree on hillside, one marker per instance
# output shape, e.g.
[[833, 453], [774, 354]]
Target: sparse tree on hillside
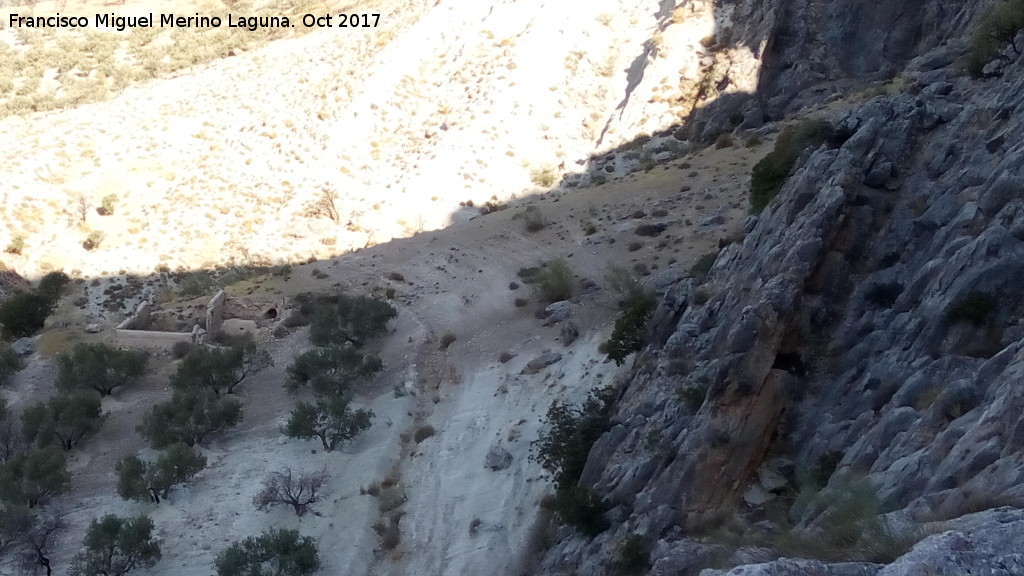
[[9, 363], [326, 205], [145, 481], [297, 491], [38, 538], [272, 553], [24, 313], [14, 520], [33, 476], [220, 370], [330, 419], [63, 419], [354, 319], [115, 546], [12, 442], [100, 367], [52, 285], [189, 417], [331, 370]]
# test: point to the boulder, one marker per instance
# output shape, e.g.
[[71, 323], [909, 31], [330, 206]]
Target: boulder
[[498, 458], [24, 346], [569, 333], [93, 328], [987, 542], [557, 312], [541, 362]]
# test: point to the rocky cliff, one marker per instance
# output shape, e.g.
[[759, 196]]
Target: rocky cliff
[[864, 337]]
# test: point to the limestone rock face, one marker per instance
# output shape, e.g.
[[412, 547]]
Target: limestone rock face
[[870, 325]]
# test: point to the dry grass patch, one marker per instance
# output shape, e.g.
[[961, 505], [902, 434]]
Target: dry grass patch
[[423, 432]]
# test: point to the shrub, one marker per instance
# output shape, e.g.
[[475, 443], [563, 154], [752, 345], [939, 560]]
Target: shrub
[[752, 141], [16, 245], [849, 527], [63, 420], [997, 28], [975, 308], [9, 364], [189, 417], [724, 140], [297, 491], [296, 319], [625, 285], [555, 281], [534, 219], [24, 313], [107, 205], [629, 332], [544, 176], [769, 175], [703, 265], [99, 367], [354, 319], [195, 284], [632, 557], [693, 396], [93, 240], [180, 349], [826, 467], [390, 531], [144, 481], [583, 509], [272, 553], [448, 339], [423, 432], [330, 419], [116, 546], [562, 449], [331, 371]]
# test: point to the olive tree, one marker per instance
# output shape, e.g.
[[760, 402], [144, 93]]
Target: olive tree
[[295, 490], [272, 553], [151, 481], [331, 370], [329, 418], [220, 369], [63, 419], [354, 319], [100, 367], [189, 417], [114, 546], [31, 477]]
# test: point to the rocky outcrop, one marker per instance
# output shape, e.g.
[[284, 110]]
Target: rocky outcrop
[[989, 540], [215, 314], [868, 326], [141, 319], [809, 50]]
